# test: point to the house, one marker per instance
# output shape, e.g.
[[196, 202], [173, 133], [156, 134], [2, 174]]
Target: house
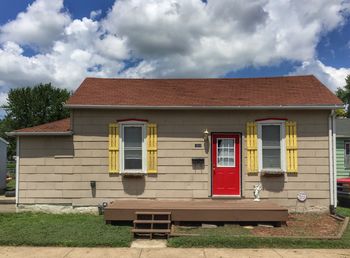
[[184, 139], [343, 147], [3, 164]]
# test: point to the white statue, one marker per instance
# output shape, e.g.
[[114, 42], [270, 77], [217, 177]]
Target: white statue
[[257, 190]]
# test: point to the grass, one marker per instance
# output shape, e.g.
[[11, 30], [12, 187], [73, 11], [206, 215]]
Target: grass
[[227, 230], [82, 230], [343, 211], [247, 241], [79, 230]]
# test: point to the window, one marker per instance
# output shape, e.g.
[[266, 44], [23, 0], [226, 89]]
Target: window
[[347, 155], [133, 150], [271, 148], [226, 152]]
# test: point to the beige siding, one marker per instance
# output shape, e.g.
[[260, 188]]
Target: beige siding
[[59, 169]]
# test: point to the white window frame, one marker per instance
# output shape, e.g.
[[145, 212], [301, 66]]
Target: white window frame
[[143, 125], [345, 156], [217, 152], [283, 162]]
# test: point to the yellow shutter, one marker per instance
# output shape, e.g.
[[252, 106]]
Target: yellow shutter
[[291, 147], [113, 148], [252, 147], [152, 143]]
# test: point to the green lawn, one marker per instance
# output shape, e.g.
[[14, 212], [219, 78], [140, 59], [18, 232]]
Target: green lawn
[[232, 230], [39, 229], [247, 241]]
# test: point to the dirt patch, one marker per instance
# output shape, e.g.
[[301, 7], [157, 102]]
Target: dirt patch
[[298, 225], [307, 224]]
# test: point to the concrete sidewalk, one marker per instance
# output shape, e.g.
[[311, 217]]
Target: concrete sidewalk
[[7, 204], [66, 252]]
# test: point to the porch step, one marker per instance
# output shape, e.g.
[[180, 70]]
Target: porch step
[[153, 213], [152, 223], [139, 230]]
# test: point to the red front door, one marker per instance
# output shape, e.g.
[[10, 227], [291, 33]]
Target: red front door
[[226, 164]]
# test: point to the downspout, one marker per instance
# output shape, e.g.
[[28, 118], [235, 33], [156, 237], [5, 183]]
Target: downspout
[[334, 162], [330, 151], [17, 171]]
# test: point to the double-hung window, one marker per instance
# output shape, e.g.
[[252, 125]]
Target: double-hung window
[[271, 146], [347, 154], [133, 148]]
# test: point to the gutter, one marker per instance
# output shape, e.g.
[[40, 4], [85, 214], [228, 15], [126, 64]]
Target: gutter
[[39, 133], [17, 170], [79, 106], [332, 162], [330, 154]]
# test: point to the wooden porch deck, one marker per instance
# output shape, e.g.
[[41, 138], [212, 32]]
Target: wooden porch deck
[[199, 210]]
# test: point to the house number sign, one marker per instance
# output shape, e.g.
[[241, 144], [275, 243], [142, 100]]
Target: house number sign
[[301, 196]]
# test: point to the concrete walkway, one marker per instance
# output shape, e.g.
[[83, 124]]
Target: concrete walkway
[[66, 252], [7, 204]]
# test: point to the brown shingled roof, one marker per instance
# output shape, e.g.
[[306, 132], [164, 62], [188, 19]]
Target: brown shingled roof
[[59, 126], [248, 92]]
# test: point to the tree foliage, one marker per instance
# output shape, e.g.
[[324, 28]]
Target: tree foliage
[[344, 95], [31, 106]]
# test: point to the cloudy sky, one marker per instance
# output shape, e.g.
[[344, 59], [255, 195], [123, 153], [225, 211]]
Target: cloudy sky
[[63, 41]]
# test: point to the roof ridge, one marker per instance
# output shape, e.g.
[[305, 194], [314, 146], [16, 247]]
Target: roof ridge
[[204, 78]]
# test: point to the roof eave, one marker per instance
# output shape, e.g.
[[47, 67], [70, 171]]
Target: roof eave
[[301, 107], [67, 133]]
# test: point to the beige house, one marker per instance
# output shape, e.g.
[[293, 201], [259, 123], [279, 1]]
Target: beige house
[[184, 139]]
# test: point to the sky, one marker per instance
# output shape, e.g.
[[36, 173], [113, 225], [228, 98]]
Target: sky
[[64, 41]]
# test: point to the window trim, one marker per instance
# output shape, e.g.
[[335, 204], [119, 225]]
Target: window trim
[[345, 164], [282, 125], [143, 125], [217, 152]]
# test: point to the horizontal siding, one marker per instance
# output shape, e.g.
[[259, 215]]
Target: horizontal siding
[[60, 171], [341, 170]]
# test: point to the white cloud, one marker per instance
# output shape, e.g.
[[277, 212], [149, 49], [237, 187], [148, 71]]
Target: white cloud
[[178, 38], [191, 38], [113, 47], [81, 52], [41, 24], [330, 76], [95, 14]]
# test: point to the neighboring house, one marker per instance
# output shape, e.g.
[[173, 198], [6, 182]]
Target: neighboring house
[[3, 164], [184, 139], [343, 147]]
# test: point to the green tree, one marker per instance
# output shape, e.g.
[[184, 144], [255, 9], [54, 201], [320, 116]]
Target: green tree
[[31, 106], [344, 95]]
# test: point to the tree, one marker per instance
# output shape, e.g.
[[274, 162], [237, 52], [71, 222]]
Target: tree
[[31, 106], [344, 95]]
